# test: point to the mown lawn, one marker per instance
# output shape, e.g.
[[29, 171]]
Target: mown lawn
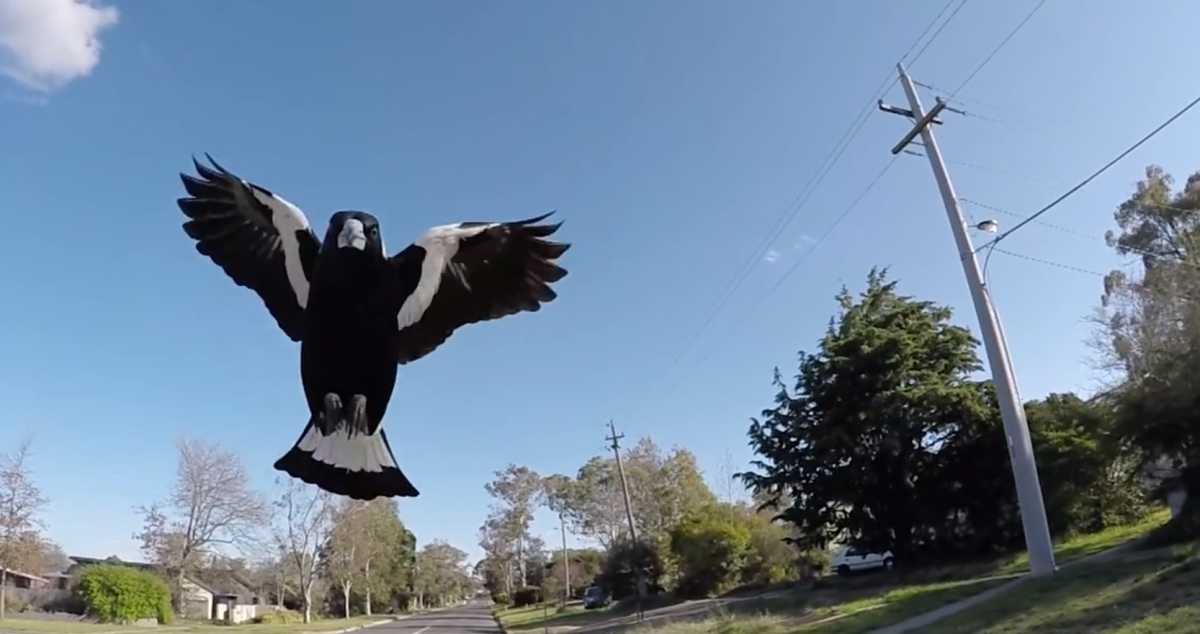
[[1155, 594], [16, 624], [854, 605], [541, 616]]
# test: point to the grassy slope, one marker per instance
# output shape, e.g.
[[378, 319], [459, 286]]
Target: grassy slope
[[848, 606]]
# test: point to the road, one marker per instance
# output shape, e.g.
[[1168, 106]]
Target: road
[[473, 618]]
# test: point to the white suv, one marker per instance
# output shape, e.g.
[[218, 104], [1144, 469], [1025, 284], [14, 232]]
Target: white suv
[[849, 560]]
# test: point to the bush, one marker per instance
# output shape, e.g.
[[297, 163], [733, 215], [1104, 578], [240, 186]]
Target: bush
[[622, 564], [500, 598], [527, 596], [119, 594], [281, 617], [712, 549]]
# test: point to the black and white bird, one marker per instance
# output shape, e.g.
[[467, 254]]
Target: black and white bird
[[358, 313]]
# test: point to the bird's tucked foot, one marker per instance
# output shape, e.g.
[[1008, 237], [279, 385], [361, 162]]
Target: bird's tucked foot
[[356, 413], [333, 412]]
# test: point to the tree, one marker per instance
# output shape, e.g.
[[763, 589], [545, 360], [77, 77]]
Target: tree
[[711, 547], [304, 521], [595, 507], [664, 487], [209, 507], [1148, 332], [347, 550], [855, 443], [442, 574], [369, 551], [726, 483], [517, 488], [22, 546]]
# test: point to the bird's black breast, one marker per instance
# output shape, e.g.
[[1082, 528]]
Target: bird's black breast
[[349, 345]]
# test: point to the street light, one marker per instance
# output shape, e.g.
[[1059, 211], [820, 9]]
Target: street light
[[988, 226]]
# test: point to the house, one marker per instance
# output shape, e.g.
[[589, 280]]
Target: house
[[25, 580], [207, 595], [223, 595]]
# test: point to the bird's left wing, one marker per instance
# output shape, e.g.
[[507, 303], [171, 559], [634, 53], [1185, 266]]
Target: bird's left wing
[[260, 240], [461, 274]]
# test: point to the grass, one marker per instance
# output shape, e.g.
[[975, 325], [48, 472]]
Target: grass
[[552, 616], [849, 606], [1159, 594], [18, 624]]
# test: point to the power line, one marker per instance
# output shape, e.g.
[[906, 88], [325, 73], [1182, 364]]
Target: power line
[[729, 290], [1070, 192], [936, 33], [779, 283], [1048, 225], [998, 48], [1030, 258]]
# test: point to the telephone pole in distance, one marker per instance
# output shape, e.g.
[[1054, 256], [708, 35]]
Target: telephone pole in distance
[[640, 575], [615, 439], [1012, 411]]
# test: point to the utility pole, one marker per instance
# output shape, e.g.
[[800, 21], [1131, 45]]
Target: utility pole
[[1012, 411], [615, 439], [562, 527], [640, 574]]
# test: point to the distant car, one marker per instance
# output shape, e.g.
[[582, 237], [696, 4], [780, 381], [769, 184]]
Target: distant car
[[594, 597], [849, 560]]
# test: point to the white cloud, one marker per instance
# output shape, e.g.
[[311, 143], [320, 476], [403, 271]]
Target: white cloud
[[46, 44], [772, 256]]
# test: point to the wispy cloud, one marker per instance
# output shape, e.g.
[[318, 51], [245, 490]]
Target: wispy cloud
[[772, 256], [803, 241], [46, 44]]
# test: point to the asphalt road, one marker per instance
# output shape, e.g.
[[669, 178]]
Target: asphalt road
[[472, 618]]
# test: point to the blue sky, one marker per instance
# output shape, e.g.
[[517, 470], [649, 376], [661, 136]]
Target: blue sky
[[670, 136]]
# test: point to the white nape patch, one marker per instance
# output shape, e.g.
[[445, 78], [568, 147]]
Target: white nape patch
[[287, 219], [359, 452], [353, 235], [441, 245]]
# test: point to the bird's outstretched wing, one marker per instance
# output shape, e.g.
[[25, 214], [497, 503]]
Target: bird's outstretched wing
[[260, 240], [461, 274]]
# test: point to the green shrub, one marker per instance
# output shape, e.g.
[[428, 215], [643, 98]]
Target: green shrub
[[527, 596], [500, 598], [119, 594], [282, 617]]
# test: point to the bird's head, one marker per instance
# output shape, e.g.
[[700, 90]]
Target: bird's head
[[354, 231]]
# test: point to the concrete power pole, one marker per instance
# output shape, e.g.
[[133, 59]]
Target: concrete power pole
[[1012, 411], [640, 574], [562, 526], [615, 438]]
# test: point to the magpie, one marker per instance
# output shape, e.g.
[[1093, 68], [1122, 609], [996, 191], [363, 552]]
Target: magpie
[[357, 313]]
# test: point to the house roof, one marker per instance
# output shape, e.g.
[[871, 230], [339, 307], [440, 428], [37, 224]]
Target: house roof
[[218, 582], [18, 573]]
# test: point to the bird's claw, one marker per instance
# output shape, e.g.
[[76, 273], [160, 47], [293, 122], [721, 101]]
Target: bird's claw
[[333, 411], [356, 412]]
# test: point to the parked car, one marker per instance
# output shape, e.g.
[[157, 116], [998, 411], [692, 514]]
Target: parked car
[[594, 597], [849, 560]]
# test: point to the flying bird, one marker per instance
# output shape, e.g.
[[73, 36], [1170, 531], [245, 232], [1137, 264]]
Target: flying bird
[[357, 313]]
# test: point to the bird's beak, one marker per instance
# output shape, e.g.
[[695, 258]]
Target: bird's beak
[[353, 235]]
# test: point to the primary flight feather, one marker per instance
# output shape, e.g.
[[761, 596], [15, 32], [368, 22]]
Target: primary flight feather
[[358, 313]]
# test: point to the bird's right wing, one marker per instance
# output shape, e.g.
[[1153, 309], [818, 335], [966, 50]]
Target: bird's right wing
[[260, 240]]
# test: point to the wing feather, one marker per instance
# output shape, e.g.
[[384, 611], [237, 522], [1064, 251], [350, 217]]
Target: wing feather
[[471, 272], [260, 240]]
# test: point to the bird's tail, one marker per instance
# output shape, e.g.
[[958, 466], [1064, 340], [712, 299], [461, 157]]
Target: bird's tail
[[346, 462]]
